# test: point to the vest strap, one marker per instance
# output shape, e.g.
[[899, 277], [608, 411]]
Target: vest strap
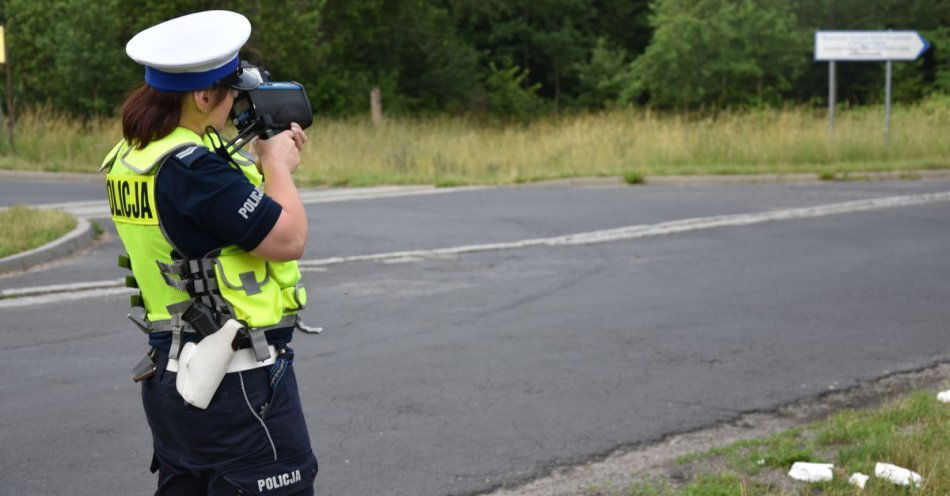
[[136, 300], [177, 326], [202, 286], [176, 343], [195, 276], [202, 267], [149, 326], [140, 322], [124, 262], [259, 343], [179, 269]]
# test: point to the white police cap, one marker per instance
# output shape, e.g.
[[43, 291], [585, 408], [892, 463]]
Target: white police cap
[[193, 52]]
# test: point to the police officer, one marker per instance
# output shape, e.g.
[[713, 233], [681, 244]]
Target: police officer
[[210, 243]]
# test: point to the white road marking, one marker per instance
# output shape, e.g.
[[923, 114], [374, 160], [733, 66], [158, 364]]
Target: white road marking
[[60, 288], [55, 298], [98, 209], [647, 230], [47, 294]]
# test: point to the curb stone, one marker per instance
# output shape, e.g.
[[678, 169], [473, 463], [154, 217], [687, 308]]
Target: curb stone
[[81, 236]]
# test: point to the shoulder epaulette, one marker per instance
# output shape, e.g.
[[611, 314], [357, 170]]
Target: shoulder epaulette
[[188, 155]]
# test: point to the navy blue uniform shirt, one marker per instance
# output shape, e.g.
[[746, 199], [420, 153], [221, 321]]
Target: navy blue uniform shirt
[[205, 204]]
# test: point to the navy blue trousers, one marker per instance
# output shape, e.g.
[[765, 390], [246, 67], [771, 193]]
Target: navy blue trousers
[[252, 438]]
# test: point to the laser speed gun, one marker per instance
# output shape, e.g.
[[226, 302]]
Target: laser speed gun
[[268, 109]]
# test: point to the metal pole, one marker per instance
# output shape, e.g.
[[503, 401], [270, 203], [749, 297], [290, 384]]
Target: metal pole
[[887, 103], [831, 99]]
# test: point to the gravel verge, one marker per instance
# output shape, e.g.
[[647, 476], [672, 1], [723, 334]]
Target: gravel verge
[[628, 466]]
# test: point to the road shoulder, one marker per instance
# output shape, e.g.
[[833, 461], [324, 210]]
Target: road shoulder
[[629, 466]]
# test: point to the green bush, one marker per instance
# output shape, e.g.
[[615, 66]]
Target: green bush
[[508, 94]]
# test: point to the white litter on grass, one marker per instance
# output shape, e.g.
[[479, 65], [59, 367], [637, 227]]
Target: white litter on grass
[[858, 479], [944, 397], [897, 475], [811, 472]]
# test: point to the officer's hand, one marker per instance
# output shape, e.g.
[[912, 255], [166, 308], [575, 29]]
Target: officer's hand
[[280, 150], [300, 137]]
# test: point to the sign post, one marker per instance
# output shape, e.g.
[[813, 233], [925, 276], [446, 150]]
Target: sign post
[[831, 99], [866, 46], [887, 101]]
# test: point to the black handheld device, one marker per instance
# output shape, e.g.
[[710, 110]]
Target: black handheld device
[[268, 109]]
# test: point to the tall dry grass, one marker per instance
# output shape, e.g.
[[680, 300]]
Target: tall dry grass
[[451, 150], [50, 141], [616, 142]]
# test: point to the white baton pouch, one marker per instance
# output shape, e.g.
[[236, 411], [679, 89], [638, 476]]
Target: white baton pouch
[[201, 367]]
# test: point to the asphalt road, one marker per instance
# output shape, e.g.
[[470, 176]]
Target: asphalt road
[[450, 375], [46, 189]]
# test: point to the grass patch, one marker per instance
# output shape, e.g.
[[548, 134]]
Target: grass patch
[[751, 455], [913, 432], [456, 150], [777, 452], [23, 228], [724, 484], [633, 177], [643, 490]]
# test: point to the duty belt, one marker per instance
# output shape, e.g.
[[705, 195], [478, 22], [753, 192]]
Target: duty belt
[[254, 334], [206, 310]]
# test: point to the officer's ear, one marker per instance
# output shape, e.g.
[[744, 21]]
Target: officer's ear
[[205, 100]]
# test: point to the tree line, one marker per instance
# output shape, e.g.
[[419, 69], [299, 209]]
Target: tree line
[[507, 58]]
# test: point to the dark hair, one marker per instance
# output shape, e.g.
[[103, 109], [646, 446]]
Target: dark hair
[[149, 114]]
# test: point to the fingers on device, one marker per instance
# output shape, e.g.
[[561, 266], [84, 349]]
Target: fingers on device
[[268, 109]]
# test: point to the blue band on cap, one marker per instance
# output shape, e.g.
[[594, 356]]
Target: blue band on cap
[[187, 81]]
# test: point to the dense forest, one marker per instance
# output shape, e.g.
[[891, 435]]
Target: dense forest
[[507, 58]]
